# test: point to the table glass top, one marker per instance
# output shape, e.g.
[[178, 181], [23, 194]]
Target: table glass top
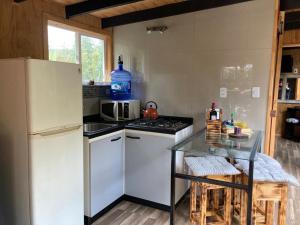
[[201, 144]]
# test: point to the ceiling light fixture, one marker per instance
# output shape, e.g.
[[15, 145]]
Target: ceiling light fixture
[[160, 29]]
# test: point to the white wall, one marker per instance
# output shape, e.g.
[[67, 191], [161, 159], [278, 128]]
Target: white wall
[[183, 69]]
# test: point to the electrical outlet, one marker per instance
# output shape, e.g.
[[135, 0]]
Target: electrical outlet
[[256, 92], [223, 92]]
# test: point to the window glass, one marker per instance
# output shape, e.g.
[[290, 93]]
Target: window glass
[[92, 58], [61, 45]]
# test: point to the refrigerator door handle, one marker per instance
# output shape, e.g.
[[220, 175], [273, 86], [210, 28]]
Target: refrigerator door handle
[[53, 132]]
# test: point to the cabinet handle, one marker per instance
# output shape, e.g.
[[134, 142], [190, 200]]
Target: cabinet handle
[[115, 139], [132, 137]]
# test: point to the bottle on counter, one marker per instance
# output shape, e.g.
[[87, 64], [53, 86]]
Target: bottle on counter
[[120, 88], [213, 115]]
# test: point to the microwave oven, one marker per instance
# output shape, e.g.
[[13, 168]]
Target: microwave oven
[[115, 110]]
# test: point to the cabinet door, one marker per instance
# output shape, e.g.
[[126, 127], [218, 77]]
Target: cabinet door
[[56, 178], [54, 95], [147, 166], [106, 171]]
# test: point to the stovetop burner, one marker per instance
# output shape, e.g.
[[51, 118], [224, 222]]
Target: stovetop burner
[[164, 124]]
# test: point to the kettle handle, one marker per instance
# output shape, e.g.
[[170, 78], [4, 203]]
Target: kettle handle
[[152, 103]]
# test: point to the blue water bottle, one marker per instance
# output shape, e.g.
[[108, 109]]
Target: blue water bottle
[[120, 88]]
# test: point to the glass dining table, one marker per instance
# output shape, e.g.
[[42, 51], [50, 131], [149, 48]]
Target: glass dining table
[[203, 144]]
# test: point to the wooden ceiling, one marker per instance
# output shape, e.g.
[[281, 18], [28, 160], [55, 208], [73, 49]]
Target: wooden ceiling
[[67, 2], [146, 4], [120, 10]]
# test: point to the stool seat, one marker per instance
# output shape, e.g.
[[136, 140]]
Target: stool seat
[[267, 169], [210, 166]]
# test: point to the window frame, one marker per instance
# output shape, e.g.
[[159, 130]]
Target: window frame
[[85, 30]]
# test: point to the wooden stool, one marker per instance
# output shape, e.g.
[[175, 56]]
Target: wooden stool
[[198, 215], [237, 196], [269, 193], [237, 202]]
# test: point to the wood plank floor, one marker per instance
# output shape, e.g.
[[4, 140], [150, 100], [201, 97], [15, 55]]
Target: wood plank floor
[[127, 213], [288, 154]]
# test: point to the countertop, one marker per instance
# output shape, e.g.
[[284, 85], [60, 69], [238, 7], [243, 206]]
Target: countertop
[[120, 125]]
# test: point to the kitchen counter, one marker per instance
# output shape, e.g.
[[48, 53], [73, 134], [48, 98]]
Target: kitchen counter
[[163, 124], [120, 125], [95, 134]]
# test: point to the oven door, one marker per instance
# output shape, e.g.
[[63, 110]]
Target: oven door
[[109, 110]]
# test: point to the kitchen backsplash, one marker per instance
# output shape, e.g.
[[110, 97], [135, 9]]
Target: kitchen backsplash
[[91, 97], [95, 91]]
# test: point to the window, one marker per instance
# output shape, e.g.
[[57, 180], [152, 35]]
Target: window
[[73, 46]]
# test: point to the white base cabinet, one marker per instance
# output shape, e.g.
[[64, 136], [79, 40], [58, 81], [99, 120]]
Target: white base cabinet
[[131, 162], [104, 171], [148, 165]]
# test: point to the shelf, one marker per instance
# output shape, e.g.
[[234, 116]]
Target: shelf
[[292, 75], [289, 101], [291, 46]]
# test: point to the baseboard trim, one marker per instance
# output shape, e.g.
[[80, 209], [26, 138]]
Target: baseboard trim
[[146, 203], [90, 220]]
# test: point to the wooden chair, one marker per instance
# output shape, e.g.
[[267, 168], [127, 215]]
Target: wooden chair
[[265, 194], [199, 205]]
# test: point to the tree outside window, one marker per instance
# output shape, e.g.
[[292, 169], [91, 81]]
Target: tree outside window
[[92, 58]]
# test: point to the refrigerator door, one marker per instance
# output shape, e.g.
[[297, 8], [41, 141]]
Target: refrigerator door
[[56, 173], [54, 95]]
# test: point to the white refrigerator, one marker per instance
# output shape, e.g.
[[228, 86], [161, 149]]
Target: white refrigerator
[[41, 143]]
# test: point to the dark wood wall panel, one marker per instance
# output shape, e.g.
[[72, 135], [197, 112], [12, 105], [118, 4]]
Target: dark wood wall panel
[[21, 26]]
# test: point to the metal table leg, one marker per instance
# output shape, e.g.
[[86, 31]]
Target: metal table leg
[[172, 197], [250, 192]]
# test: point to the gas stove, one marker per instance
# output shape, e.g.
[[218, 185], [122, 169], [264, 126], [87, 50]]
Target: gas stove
[[169, 125]]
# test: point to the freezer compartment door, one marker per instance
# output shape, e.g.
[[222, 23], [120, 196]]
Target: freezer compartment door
[[54, 95], [56, 173]]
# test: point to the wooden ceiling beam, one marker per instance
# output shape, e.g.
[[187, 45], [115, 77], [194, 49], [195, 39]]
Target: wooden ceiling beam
[[93, 5], [165, 11]]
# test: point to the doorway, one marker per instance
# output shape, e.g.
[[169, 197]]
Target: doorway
[[283, 119]]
